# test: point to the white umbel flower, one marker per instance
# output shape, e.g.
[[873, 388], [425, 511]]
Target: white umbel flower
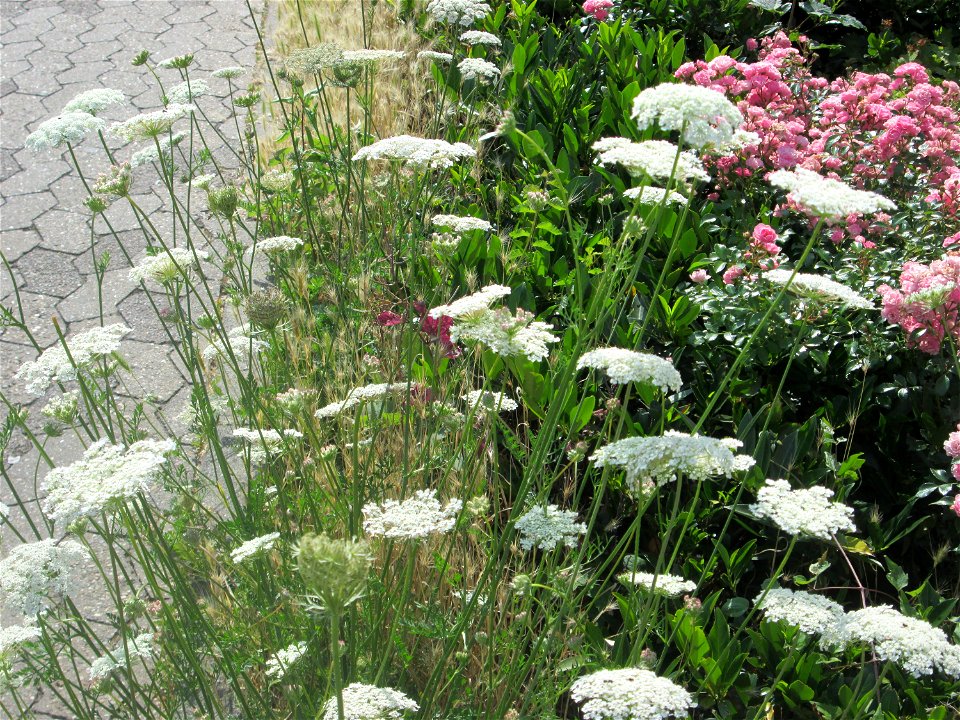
[[276, 246], [418, 152], [819, 287], [418, 517], [705, 117], [547, 526], [240, 341], [95, 101], [283, 660], [912, 643], [478, 69], [364, 394], [138, 647], [490, 401], [625, 366], [147, 126], [265, 443], [461, 223], [54, 365], [662, 584], [254, 547], [370, 56], [229, 73], [652, 195], [440, 57], [105, 476], [151, 153], [457, 12], [827, 198], [184, 92], [14, 636], [806, 512], [812, 614], [478, 37], [505, 333], [652, 461], [369, 702], [477, 302], [654, 158], [630, 694], [166, 266], [66, 129], [34, 571]]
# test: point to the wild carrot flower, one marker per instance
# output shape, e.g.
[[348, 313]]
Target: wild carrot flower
[[704, 116], [812, 614], [334, 571], [55, 365], [184, 92], [478, 37], [241, 341], [806, 512], [311, 60], [653, 158], [276, 246], [490, 401], [819, 288], [422, 153], [254, 547], [471, 304], [478, 69], [359, 395], [147, 126], [827, 198], [547, 526], [660, 584], [276, 181], [177, 62], [418, 517], [630, 694], [371, 56], [68, 128], [229, 73], [625, 366], [283, 660], [151, 153], [369, 702], [34, 571], [440, 57], [457, 12], [106, 476], [167, 266], [139, 647], [461, 224], [13, 636], [95, 101], [266, 443], [651, 195]]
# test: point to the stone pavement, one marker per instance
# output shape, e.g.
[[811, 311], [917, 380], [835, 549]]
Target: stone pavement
[[51, 51]]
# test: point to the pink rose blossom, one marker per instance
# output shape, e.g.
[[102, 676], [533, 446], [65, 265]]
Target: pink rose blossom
[[698, 276], [956, 505], [599, 9]]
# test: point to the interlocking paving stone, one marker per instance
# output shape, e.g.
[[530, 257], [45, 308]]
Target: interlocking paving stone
[[52, 50]]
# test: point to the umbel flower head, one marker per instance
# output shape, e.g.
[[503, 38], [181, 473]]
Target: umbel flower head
[[485, 401], [369, 702], [625, 366], [34, 571], [55, 365], [630, 694], [95, 101], [806, 512], [359, 395], [104, 477], [657, 159], [115, 181], [819, 288], [478, 69], [652, 195], [140, 646], [153, 124], [653, 461], [266, 308], [461, 223], [812, 614], [166, 267], [334, 571], [705, 117], [274, 247], [421, 153], [827, 198], [254, 547], [66, 129], [547, 526], [283, 660], [312, 60], [662, 584], [457, 12], [412, 519]]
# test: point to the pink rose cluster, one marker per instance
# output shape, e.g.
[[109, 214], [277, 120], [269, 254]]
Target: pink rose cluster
[[927, 304], [761, 254], [898, 130], [952, 448], [598, 9]]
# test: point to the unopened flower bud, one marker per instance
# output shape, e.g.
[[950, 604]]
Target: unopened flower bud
[[335, 571]]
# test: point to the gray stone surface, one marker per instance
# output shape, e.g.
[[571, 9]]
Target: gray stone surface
[[51, 51]]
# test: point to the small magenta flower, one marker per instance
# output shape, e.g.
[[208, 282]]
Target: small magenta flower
[[599, 9], [388, 319]]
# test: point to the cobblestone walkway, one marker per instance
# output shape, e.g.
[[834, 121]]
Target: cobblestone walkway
[[51, 51]]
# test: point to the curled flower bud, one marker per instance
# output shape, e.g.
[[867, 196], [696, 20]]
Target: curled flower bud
[[335, 571]]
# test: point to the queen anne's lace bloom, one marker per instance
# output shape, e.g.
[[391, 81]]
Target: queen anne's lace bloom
[[478, 37], [827, 198], [478, 69], [547, 526], [138, 647], [68, 128], [369, 702], [913, 644], [625, 366], [34, 571], [418, 517], [505, 333], [240, 341], [13, 636], [630, 694], [416, 151], [185, 92], [95, 101], [477, 302], [440, 57], [265, 443], [166, 266], [819, 287], [803, 512], [358, 395], [275, 246], [54, 364], [278, 665], [152, 124], [256, 546], [652, 195], [370, 56], [151, 154], [105, 476], [654, 158], [457, 12], [652, 461], [461, 223], [813, 614], [705, 117], [663, 584], [490, 401], [229, 73]]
